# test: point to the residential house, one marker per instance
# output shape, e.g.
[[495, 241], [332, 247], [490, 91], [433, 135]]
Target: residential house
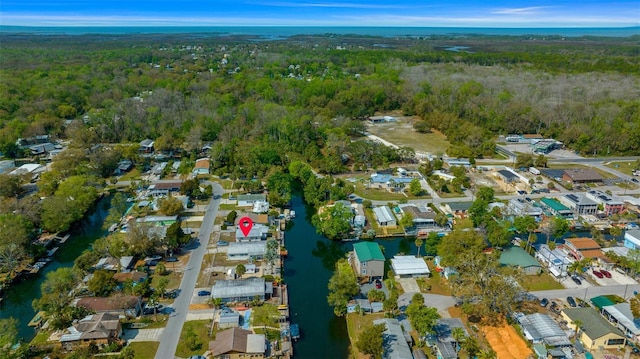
[[201, 167], [123, 167], [632, 239], [556, 260], [247, 200], [158, 168], [464, 162], [258, 232], [580, 203], [507, 176], [622, 317], [581, 175], [161, 189], [390, 181], [44, 148], [123, 264], [28, 168], [515, 256], [146, 146], [556, 208], [595, 332], [240, 290], [6, 165], [121, 305], [610, 204], [227, 318], [446, 272], [541, 328], [423, 216], [520, 207], [394, 343], [237, 343], [384, 216], [458, 209], [368, 260], [444, 332], [409, 267], [580, 248], [260, 207], [242, 251], [99, 329], [158, 220]]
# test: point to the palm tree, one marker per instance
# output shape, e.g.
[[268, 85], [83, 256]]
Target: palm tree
[[487, 354], [578, 323], [459, 336], [419, 243]]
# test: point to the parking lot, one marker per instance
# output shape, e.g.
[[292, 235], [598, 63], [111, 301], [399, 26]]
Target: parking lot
[[616, 278]]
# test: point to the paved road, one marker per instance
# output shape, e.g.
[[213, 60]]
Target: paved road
[[171, 335], [623, 290]]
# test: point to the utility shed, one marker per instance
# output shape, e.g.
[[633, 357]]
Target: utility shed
[[517, 257], [409, 267]]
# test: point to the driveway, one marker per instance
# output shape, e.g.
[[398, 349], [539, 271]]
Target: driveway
[[440, 302], [409, 285], [143, 335]]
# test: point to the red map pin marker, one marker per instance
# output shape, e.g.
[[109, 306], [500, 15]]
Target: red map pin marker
[[245, 225]]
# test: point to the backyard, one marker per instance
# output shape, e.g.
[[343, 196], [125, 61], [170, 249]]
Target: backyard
[[194, 339]]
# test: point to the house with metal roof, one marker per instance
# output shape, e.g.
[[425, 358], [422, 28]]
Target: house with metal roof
[[580, 203], [458, 208], [384, 216], [258, 232], [556, 260], [242, 251], [556, 208], [239, 290], [409, 267], [520, 207], [444, 329], [247, 200], [236, 343], [541, 328], [515, 256], [367, 260], [594, 332], [622, 317], [507, 176], [227, 318], [146, 146], [394, 343]]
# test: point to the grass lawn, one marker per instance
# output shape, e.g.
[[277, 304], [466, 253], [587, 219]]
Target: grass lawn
[[380, 194], [227, 207], [272, 334], [41, 338], [174, 278], [144, 350], [356, 323], [401, 133], [436, 284], [194, 339], [625, 167], [204, 278], [132, 175], [543, 281]]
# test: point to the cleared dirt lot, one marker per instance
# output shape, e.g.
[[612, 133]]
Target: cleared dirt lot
[[506, 342]]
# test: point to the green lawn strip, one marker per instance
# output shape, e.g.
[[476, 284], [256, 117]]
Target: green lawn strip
[[356, 323], [144, 350], [133, 175], [625, 167], [194, 339], [542, 281]]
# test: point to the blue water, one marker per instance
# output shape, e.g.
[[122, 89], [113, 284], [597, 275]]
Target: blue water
[[275, 32], [246, 323]]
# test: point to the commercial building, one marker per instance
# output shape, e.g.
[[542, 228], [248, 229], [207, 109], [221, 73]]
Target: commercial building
[[610, 204], [580, 204]]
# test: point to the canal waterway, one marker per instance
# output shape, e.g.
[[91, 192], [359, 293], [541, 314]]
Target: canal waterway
[[18, 298]]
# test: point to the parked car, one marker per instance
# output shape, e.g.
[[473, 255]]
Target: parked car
[[222, 243], [605, 273], [544, 302], [171, 259], [572, 302], [528, 199], [576, 279], [522, 192], [597, 273], [204, 293], [378, 284]]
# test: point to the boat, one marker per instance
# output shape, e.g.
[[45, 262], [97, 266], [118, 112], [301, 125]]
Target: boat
[[36, 321], [52, 251], [295, 331]]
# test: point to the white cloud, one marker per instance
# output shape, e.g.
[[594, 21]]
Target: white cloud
[[532, 10], [328, 5]]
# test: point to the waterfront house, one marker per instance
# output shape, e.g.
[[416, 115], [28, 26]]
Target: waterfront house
[[394, 340], [99, 329], [161, 189], [242, 251], [113, 264], [610, 204], [580, 248], [580, 203], [446, 272], [367, 260], [556, 208], [241, 290], [596, 332], [409, 267], [384, 216], [236, 343], [458, 209], [121, 305], [257, 233], [423, 216], [517, 257], [556, 260], [134, 276], [520, 207]]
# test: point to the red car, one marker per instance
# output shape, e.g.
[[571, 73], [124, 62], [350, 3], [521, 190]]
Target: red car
[[605, 273], [598, 274], [378, 284]]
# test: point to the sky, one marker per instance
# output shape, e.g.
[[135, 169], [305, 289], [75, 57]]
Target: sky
[[405, 13]]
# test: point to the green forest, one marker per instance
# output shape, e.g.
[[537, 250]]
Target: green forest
[[265, 103]]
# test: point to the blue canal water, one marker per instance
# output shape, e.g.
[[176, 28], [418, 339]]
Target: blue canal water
[[18, 298]]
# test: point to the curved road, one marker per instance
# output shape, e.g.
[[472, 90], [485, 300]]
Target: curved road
[[171, 335]]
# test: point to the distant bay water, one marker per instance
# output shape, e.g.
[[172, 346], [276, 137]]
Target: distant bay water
[[275, 32]]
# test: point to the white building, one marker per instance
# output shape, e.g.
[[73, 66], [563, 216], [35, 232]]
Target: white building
[[384, 216], [409, 267], [242, 251], [257, 233], [556, 260]]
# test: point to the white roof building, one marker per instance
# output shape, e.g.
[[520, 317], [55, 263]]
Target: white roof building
[[622, 317], [246, 250], [409, 266], [384, 216]]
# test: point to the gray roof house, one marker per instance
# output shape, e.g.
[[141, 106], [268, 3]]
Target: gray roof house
[[384, 216], [240, 251], [580, 203], [238, 290], [508, 176], [257, 233], [228, 318], [520, 207], [621, 316], [395, 345]]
